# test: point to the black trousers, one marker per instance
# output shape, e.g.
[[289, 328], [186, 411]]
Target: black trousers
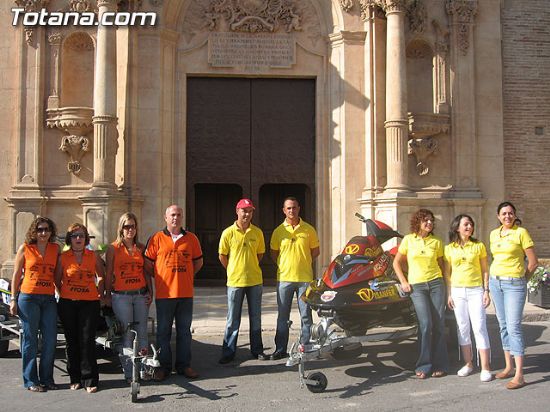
[[79, 319]]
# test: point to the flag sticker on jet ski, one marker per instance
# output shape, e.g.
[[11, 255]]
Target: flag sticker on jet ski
[[328, 295], [367, 294]]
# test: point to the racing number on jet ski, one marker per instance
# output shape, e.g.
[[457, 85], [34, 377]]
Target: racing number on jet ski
[[351, 249]]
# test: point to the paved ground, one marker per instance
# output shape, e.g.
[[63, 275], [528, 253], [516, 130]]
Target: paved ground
[[380, 379]]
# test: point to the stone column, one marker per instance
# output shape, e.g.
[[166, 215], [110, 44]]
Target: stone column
[[105, 91], [396, 97]]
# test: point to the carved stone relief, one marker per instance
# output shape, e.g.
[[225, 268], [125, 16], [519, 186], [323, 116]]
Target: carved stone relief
[[81, 6], [31, 6], [421, 149], [253, 16], [423, 129], [261, 33], [77, 123], [462, 13], [417, 16], [75, 146]]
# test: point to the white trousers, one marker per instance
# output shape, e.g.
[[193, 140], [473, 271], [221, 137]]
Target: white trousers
[[469, 307]]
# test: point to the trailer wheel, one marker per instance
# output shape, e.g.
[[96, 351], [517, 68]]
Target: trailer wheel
[[321, 380], [4, 344]]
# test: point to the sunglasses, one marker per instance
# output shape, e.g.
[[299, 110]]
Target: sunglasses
[[128, 227], [77, 236], [43, 230]]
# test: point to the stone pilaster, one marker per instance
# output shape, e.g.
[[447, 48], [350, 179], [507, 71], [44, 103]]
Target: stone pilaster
[[396, 97], [463, 89]]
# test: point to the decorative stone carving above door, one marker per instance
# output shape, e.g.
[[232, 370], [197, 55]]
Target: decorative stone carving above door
[[295, 18]]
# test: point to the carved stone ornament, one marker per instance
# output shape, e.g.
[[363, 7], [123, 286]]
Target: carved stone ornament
[[77, 122], [31, 6], [253, 16], [81, 6], [75, 146], [417, 14], [423, 127], [346, 5], [462, 14], [422, 148]]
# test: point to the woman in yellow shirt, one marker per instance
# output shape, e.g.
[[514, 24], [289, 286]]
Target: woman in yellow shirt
[[510, 244], [423, 253], [468, 295]]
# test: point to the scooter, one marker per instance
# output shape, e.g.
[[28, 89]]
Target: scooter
[[144, 366], [358, 291]]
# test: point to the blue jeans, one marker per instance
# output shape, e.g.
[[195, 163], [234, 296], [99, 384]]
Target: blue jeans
[[37, 312], [235, 298], [131, 308], [180, 310], [509, 299], [429, 303], [285, 294]]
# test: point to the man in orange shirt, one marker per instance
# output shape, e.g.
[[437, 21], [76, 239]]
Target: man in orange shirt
[[177, 257]]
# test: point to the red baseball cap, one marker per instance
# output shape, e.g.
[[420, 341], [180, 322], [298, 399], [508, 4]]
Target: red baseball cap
[[244, 203]]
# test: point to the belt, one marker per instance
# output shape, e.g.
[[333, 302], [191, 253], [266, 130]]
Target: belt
[[141, 291], [504, 278]]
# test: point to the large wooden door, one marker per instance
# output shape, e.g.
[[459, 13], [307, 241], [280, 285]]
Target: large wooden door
[[254, 138]]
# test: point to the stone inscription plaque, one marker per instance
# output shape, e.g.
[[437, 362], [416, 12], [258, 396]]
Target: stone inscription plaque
[[258, 51]]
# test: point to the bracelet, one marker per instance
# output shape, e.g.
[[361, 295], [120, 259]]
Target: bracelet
[[486, 290]]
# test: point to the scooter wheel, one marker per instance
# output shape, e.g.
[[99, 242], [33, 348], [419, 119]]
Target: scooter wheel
[[4, 345], [321, 380], [135, 391]]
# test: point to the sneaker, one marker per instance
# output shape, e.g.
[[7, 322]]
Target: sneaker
[[485, 376], [465, 371]]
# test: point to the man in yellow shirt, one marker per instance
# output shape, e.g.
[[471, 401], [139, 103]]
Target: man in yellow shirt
[[240, 251], [294, 244]]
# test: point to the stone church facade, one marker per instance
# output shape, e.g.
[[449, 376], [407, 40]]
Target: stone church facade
[[371, 106]]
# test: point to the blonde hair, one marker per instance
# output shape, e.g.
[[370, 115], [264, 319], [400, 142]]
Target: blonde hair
[[121, 222]]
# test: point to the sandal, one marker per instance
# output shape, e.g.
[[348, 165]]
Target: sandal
[[421, 375], [438, 374], [505, 375], [74, 386], [91, 389], [36, 388]]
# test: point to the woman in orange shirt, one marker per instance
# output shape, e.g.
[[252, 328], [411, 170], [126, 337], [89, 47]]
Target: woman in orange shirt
[[34, 301], [128, 285], [79, 278]]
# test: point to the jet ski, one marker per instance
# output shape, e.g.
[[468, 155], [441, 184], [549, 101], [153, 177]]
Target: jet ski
[[357, 292]]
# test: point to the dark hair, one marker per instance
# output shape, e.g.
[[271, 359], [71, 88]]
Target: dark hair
[[74, 227], [506, 204], [453, 231], [292, 198], [418, 217], [30, 237]]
